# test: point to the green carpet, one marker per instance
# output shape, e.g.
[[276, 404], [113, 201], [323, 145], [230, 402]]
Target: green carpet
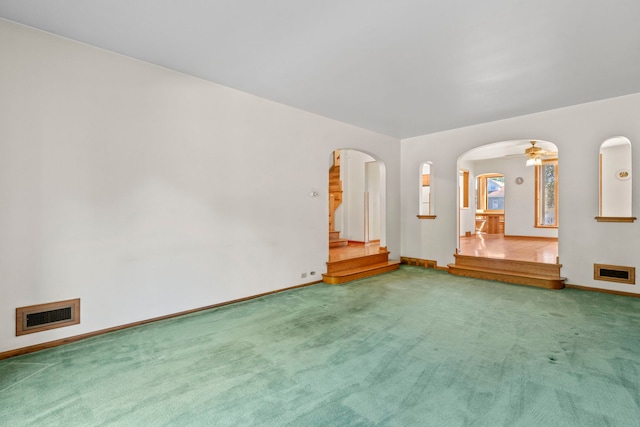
[[414, 347]]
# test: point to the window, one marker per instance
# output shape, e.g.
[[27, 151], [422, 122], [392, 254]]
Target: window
[[547, 194], [490, 192], [464, 188]]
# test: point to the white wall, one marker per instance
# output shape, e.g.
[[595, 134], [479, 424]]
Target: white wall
[[353, 165], [146, 192], [578, 132]]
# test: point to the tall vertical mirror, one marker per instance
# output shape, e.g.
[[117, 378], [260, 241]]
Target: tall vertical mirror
[[615, 181], [426, 208]]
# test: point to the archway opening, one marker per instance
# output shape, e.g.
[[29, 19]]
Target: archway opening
[[512, 201], [357, 199]]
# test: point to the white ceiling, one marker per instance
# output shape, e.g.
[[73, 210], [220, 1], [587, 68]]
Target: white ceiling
[[401, 67], [509, 149]]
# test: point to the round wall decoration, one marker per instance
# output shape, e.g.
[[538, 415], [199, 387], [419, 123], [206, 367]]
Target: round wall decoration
[[623, 174], [519, 180]]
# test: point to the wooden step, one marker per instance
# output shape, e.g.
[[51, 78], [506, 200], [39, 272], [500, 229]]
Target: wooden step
[[333, 235], [351, 263], [509, 271], [338, 243], [360, 272], [507, 277], [536, 268]]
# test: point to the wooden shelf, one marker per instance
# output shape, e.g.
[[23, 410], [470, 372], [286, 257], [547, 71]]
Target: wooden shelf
[[616, 218]]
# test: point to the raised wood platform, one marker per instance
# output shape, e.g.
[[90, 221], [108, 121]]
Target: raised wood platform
[[529, 273], [346, 270], [335, 241]]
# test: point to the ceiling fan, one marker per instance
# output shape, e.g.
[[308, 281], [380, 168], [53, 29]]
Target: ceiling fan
[[535, 154]]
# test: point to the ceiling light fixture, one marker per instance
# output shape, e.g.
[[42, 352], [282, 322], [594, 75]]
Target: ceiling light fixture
[[534, 155], [534, 161]]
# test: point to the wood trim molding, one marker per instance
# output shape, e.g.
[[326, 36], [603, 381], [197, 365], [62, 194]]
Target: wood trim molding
[[419, 262], [465, 188], [75, 338], [604, 291], [616, 218], [426, 216], [550, 239]]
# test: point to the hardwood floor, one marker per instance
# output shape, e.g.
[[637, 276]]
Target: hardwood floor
[[480, 245], [352, 251], [522, 249], [524, 261]]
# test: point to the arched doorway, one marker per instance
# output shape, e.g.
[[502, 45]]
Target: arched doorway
[[357, 217], [356, 197], [523, 224]]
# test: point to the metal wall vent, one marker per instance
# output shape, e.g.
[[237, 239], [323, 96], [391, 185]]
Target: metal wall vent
[[614, 273], [41, 317], [48, 317]]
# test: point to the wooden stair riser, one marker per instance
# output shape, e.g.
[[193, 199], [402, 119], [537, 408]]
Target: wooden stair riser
[[338, 243], [508, 277], [333, 235], [347, 264], [524, 267], [361, 273]]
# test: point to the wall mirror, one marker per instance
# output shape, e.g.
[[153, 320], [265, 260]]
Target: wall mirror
[[615, 181], [426, 208]]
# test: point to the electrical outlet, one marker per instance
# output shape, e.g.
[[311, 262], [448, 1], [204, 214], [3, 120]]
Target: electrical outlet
[[303, 275], [313, 273]]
